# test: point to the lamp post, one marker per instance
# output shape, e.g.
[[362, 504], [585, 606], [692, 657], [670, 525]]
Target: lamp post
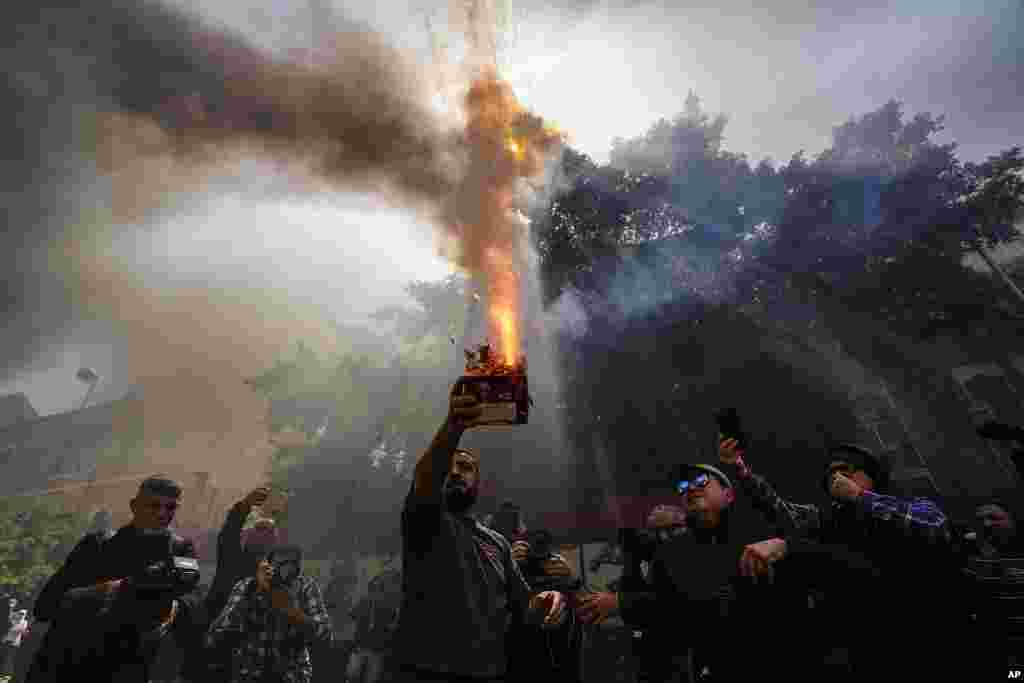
[[90, 377]]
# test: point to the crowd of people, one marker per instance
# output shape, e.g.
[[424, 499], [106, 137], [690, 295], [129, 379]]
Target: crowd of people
[[889, 583]]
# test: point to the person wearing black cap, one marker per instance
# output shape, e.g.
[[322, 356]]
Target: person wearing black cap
[[897, 540], [87, 638], [698, 577]]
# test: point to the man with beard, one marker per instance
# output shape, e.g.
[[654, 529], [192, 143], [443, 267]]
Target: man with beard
[[460, 583]]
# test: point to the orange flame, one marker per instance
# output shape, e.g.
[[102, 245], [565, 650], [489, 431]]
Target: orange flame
[[508, 330], [508, 144]]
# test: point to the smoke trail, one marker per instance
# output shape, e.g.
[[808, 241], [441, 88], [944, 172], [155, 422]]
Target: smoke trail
[[171, 104]]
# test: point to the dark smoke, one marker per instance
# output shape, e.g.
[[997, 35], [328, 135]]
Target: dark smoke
[[113, 70]]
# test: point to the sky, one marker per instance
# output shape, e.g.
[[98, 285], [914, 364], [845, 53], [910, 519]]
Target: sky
[[784, 72]]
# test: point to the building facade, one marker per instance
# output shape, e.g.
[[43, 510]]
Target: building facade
[[93, 460]]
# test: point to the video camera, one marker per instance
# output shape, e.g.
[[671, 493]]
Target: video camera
[[287, 564], [164, 574], [541, 543]]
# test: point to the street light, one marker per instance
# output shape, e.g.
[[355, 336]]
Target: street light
[[90, 377]]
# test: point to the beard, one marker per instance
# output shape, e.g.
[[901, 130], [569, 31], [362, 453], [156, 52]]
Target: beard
[[459, 498]]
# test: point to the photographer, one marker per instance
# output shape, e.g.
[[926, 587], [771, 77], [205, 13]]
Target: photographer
[[237, 560], [551, 653], [460, 584], [118, 595], [270, 621], [237, 556]]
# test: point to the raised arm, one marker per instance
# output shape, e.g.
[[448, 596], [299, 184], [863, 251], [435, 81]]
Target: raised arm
[[434, 465], [421, 515], [916, 518], [229, 538], [790, 518]]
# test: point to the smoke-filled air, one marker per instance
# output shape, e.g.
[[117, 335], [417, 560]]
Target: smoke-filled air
[[650, 301]]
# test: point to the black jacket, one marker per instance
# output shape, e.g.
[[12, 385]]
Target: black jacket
[[95, 637], [234, 563], [700, 598]]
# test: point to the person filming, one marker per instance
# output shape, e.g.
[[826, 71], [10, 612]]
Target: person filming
[[118, 595], [270, 622]]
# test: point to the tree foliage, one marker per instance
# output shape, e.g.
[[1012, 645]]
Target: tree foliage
[[35, 537], [879, 220]]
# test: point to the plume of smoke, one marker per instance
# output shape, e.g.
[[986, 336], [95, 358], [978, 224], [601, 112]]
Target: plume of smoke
[[182, 102]]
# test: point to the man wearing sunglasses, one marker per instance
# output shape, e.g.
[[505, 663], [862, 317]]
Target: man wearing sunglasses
[[85, 641], [696, 580], [880, 549]]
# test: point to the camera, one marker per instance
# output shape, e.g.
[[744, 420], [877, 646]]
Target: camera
[[287, 565], [507, 521], [164, 575], [540, 546]]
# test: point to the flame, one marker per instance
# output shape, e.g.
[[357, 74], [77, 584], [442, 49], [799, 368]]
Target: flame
[[505, 145], [516, 148], [508, 144], [508, 330]]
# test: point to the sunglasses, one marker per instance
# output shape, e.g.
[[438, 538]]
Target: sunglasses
[[698, 482]]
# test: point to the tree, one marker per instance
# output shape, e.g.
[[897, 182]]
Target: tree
[[35, 537]]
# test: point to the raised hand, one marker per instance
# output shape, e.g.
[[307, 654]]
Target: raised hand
[[729, 451], [844, 488], [463, 411]]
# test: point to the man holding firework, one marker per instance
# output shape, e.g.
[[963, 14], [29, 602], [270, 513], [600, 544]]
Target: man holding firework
[[461, 586]]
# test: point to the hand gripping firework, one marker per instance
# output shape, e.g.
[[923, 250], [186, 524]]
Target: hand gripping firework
[[500, 388]]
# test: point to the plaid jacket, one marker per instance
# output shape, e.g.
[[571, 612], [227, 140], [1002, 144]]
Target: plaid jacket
[[917, 518], [264, 645]]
